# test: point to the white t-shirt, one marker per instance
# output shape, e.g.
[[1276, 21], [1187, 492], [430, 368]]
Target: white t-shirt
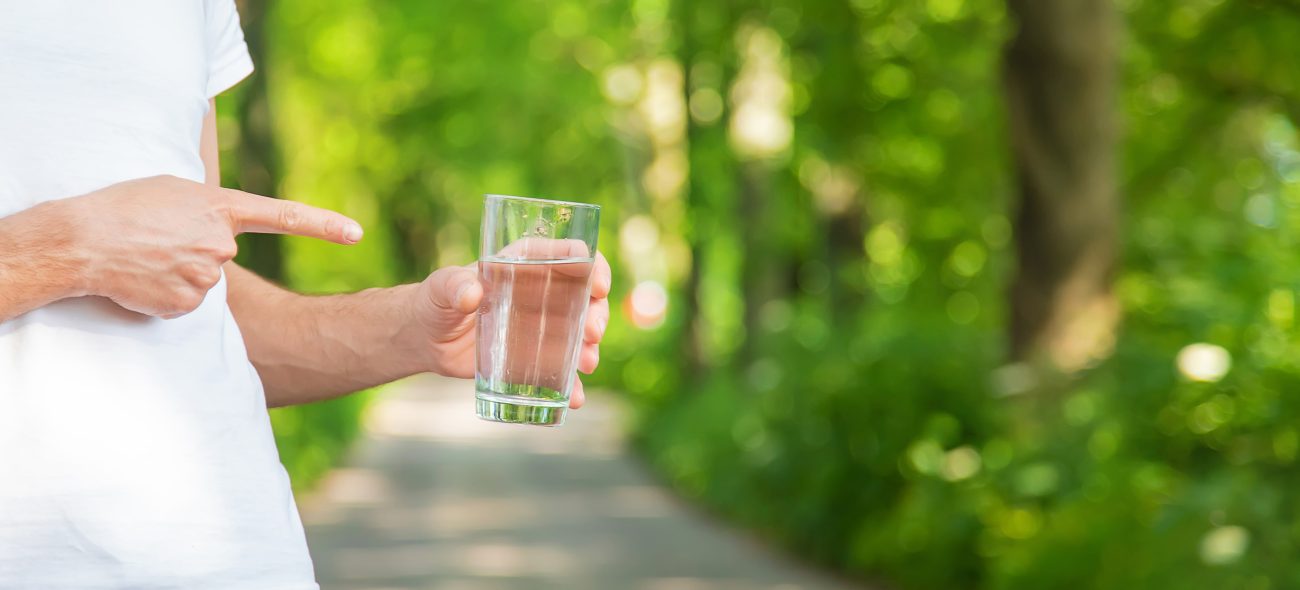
[[134, 452]]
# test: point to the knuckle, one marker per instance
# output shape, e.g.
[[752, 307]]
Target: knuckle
[[182, 298], [188, 300], [212, 277], [289, 217], [202, 276], [227, 250]]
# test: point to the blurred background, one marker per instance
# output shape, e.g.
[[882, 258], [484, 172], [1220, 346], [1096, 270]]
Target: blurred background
[[986, 294]]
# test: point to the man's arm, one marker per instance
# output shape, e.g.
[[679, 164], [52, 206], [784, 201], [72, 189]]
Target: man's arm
[[38, 263], [285, 334], [312, 348]]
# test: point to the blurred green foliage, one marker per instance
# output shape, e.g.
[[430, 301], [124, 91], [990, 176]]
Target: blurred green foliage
[[822, 188]]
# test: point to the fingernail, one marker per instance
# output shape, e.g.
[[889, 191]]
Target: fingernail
[[353, 233], [604, 323]]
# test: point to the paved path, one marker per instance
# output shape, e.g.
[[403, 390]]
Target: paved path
[[435, 498]]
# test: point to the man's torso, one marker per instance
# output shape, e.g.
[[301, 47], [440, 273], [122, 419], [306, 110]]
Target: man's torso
[[134, 452]]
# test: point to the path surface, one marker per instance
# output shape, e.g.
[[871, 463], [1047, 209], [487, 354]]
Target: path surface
[[435, 498]]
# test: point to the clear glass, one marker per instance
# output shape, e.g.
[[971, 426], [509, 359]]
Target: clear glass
[[535, 265]]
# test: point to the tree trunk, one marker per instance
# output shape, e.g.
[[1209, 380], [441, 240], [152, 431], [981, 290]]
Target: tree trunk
[[690, 336], [704, 148], [258, 158], [838, 120], [1060, 76], [764, 267]]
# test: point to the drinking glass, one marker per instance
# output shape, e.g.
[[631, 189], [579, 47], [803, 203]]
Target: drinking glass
[[535, 265]]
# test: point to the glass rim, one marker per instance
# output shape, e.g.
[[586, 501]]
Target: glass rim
[[541, 200]]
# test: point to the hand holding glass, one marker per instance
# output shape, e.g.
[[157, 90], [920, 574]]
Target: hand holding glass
[[535, 265]]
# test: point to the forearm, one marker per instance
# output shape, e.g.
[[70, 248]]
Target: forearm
[[39, 263], [313, 348]]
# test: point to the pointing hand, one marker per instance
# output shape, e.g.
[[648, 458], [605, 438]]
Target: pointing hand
[[156, 245]]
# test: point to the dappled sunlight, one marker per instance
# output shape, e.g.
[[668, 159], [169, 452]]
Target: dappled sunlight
[[362, 563], [760, 124], [814, 212], [678, 584], [505, 559], [662, 106], [471, 585], [1089, 335], [516, 507], [432, 419], [671, 583], [458, 516], [638, 502], [357, 486], [834, 187], [441, 416]]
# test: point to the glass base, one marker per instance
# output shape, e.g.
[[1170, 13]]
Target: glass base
[[489, 406]]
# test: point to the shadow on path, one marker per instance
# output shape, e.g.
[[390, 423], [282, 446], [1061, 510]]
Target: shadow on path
[[435, 498]]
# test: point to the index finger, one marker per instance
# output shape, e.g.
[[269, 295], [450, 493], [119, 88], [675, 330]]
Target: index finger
[[263, 215]]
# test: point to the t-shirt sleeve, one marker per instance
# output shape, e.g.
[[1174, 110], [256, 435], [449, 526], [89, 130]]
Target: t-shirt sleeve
[[228, 58]]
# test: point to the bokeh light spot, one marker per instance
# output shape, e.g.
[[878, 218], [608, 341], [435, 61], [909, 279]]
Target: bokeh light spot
[[569, 21], [967, 259], [996, 231], [1224, 545], [775, 315], [1204, 362], [961, 463], [1260, 210], [1021, 523], [1037, 479], [706, 106], [944, 107], [647, 305], [638, 236], [944, 10], [885, 244], [892, 81], [760, 125], [927, 457], [963, 307], [622, 84]]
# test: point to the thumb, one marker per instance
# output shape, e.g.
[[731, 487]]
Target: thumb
[[456, 289]]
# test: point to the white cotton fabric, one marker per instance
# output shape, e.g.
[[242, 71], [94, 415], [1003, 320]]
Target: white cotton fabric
[[134, 452]]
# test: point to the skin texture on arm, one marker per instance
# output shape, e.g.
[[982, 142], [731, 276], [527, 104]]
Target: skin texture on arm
[[309, 348], [313, 348], [38, 262]]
